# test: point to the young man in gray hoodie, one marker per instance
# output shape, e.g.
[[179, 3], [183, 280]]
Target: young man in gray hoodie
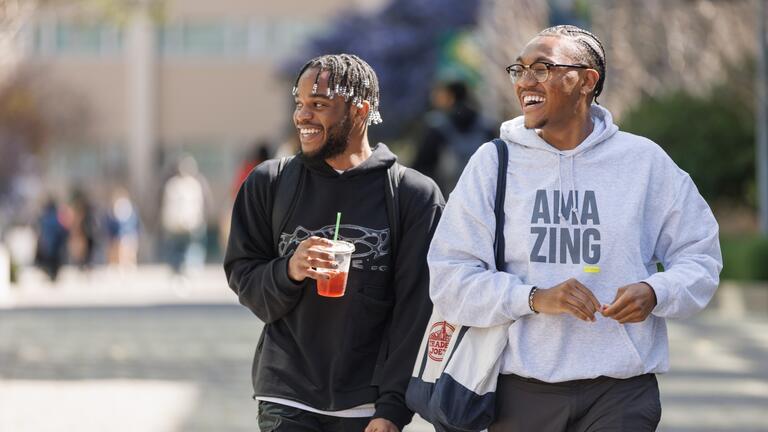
[[590, 212]]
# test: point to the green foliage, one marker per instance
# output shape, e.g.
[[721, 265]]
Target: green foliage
[[582, 9], [712, 138], [745, 258]]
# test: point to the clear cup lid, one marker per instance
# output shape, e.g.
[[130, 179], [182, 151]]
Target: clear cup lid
[[340, 246]]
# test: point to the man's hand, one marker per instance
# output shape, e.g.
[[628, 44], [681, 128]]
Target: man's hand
[[311, 254], [633, 303], [381, 425], [570, 297]]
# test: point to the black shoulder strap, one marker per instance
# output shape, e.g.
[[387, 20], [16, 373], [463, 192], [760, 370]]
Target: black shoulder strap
[[290, 176], [501, 189], [394, 174]]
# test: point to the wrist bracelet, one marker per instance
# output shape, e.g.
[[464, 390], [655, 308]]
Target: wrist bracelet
[[530, 299]]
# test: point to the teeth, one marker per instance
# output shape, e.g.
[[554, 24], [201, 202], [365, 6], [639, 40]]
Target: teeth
[[309, 131], [529, 99]]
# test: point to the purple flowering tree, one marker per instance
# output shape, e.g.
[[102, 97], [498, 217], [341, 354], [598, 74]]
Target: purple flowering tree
[[402, 43]]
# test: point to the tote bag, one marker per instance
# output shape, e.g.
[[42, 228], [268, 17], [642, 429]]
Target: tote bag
[[453, 385]]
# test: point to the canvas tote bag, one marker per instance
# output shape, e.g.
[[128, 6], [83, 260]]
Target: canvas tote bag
[[453, 385]]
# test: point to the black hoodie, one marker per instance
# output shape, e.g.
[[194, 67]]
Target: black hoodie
[[337, 353]]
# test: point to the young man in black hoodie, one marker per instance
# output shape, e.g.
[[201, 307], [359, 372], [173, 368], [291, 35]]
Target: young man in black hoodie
[[334, 364]]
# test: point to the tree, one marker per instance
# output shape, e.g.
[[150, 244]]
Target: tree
[[652, 47], [30, 112], [401, 42], [718, 152]]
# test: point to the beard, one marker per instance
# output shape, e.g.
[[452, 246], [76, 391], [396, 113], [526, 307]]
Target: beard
[[336, 143]]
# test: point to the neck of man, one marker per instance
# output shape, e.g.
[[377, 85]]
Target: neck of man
[[358, 150], [572, 133]]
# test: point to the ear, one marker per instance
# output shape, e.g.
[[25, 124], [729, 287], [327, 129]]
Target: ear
[[591, 77], [361, 110]]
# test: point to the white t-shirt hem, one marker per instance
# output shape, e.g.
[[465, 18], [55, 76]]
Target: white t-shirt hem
[[365, 410]]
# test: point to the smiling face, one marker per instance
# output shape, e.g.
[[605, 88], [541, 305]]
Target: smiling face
[[555, 102], [323, 124]]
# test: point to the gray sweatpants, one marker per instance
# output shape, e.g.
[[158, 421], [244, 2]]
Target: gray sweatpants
[[594, 405]]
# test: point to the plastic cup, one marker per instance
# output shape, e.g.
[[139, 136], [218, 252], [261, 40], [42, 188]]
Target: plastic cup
[[336, 286]]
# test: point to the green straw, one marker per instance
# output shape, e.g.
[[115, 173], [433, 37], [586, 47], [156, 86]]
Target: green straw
[[338, 221]]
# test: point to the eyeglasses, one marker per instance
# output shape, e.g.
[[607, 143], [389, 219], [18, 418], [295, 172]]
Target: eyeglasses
[[538, 70]]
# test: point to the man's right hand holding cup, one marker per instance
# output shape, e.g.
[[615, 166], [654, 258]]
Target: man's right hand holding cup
[[311, 254]]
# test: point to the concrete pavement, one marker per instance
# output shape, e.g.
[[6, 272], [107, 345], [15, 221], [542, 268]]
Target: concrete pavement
[[143, 351]]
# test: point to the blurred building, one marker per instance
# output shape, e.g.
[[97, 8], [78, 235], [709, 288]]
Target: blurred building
[[198, 77]]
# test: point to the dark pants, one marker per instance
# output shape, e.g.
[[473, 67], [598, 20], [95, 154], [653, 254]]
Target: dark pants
[[596, 405], [178, 245], [282, 418]]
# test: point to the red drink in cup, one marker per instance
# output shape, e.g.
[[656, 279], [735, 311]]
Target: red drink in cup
[[333, 287], [337, 284]]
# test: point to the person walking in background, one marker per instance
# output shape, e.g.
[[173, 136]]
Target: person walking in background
[[334, 364], [84, 231], [183, 215], [454, 131], [592, 211], [123, 224], [258, 154], [52, 239]]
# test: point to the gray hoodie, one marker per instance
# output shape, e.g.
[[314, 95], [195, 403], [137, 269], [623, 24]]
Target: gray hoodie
[[604, 213]]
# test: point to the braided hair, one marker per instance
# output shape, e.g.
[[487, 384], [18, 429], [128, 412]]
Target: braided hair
[[591, 53], [350, 77]]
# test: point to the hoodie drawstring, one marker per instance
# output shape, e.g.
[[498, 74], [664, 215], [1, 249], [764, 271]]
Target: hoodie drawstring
[[575, 208], [561, 204], [560, 179]]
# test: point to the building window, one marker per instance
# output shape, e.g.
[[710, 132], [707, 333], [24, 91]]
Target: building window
[[54, 38], [255, 39]]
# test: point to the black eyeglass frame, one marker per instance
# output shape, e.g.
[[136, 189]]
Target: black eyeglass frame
[[548, 65]]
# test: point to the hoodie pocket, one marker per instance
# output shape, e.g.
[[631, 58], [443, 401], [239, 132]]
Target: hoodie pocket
[[369, 322], [637, 367], [365, 333]]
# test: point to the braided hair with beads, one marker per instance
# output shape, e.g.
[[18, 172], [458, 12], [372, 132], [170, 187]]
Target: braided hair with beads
[[349, 77], [591, 53]]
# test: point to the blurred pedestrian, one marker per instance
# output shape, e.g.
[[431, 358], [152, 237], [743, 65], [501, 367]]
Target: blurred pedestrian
[[593, 210], [343, 363], [122, 223], [258, 154], [84, 229], [454, 131], [183, 215], [52, 239]]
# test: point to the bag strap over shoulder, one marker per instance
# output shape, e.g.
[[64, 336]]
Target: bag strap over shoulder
[[394, 175], [501, 191], [287, 191]]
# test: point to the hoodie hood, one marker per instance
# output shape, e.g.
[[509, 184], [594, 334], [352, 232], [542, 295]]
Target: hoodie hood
[[514, 131], [381, 159]]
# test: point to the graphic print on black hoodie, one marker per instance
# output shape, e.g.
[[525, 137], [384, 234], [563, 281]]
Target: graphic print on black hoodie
[[370, 244]]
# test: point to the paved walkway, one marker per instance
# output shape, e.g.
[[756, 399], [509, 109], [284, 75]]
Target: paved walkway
[[143, 351]]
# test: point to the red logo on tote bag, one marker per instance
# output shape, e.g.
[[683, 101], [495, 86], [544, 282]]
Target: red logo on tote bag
[[439, 336]]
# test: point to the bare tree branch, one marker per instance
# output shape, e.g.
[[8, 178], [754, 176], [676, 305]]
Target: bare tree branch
[[653, 46]]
